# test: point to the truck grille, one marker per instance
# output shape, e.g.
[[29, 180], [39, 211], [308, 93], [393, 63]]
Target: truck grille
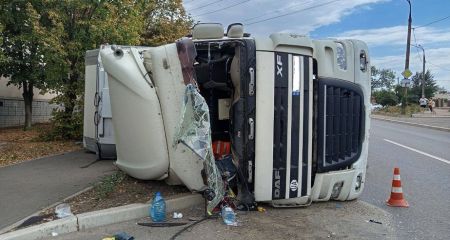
[[340, 124]]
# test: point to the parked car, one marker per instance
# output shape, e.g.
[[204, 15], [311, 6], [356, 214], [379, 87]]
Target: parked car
[[375, 107]]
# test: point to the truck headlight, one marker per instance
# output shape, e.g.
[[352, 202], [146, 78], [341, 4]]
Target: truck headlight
[[358, 182], [336, 190]]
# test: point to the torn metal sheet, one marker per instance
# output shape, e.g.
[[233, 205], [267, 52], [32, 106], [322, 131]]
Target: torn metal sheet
[[195, 132]]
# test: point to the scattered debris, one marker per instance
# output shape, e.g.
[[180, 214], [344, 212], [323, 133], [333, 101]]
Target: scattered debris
[[177, 215], [63, 210], [34, 220], [247, 207], [158, 208], [228, 216], [120, 236], [261, 209], [161, 224], [373, 221]]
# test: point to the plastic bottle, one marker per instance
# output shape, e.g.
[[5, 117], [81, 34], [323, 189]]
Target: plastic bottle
[[158, 208], [228, 216]]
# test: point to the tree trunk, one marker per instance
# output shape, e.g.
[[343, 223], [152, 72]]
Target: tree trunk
[[71, 92], [27, 95]]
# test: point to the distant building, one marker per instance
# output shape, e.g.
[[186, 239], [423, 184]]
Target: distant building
[[442, 99], [12, 107]]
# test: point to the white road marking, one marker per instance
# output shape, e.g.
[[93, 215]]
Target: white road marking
[[418, 151]]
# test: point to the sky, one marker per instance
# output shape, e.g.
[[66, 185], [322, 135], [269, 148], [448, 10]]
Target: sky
[[382, 24]]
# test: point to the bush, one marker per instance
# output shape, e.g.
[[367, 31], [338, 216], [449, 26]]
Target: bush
[[396, 110], [386, 98], [64, 126]]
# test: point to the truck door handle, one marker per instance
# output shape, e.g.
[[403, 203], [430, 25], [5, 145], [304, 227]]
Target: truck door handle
[[251, 85], [251, 124]]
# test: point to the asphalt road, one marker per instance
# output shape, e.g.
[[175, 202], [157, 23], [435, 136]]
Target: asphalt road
[[423, 156], [28, 187]]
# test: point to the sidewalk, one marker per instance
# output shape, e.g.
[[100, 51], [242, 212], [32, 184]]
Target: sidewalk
[[438, 113], [328, 220], [439, 121], [28, 187]]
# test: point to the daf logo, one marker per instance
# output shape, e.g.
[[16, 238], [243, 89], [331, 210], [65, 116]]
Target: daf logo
[[293, 185], [277, 184], [279, 66]]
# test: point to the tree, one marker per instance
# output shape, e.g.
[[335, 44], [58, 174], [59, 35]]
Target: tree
[[84, 25], [382, 78], [167, 21], [44, 43], [23, 50], [2, 56], [416, 87], [88, 24]]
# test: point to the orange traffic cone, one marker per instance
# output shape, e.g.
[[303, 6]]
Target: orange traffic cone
[[396, 199]]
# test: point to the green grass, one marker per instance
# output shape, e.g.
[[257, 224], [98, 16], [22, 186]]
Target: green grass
[[108, 184], [395, 111]]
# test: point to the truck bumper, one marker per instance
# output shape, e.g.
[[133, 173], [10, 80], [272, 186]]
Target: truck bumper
[[342, 185]]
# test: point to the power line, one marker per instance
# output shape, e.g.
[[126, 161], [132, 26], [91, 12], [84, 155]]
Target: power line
[[433, 22], [446, 69], [287, 14], [277, 10], [203, 6], [190, 1], [416, 45], [224, 8], [424, 25], [428, 61]]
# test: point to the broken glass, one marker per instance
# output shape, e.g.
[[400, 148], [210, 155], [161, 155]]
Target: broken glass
[[194, 131]]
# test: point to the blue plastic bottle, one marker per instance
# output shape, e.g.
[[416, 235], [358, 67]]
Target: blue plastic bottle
[[158, 208], [228, 216]]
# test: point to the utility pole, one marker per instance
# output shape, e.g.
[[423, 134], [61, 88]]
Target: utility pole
[[408, 48], [423, 67]]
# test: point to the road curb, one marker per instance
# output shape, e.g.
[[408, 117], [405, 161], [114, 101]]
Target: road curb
[[413, 124], [44, 231], [111, 215], [16, 224], [99, 218]]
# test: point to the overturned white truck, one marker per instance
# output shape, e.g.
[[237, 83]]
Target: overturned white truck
[[294, 112]]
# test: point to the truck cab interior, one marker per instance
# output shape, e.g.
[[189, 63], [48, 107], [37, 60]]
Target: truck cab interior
[[224, 73]]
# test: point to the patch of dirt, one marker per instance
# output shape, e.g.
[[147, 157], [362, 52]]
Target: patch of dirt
[[128, 191], [114, 190], [17, 145]]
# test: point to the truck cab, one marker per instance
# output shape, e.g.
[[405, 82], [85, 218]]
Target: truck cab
[[294, 111]]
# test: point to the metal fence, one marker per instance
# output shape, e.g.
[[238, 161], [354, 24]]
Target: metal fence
[[12, 111]]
